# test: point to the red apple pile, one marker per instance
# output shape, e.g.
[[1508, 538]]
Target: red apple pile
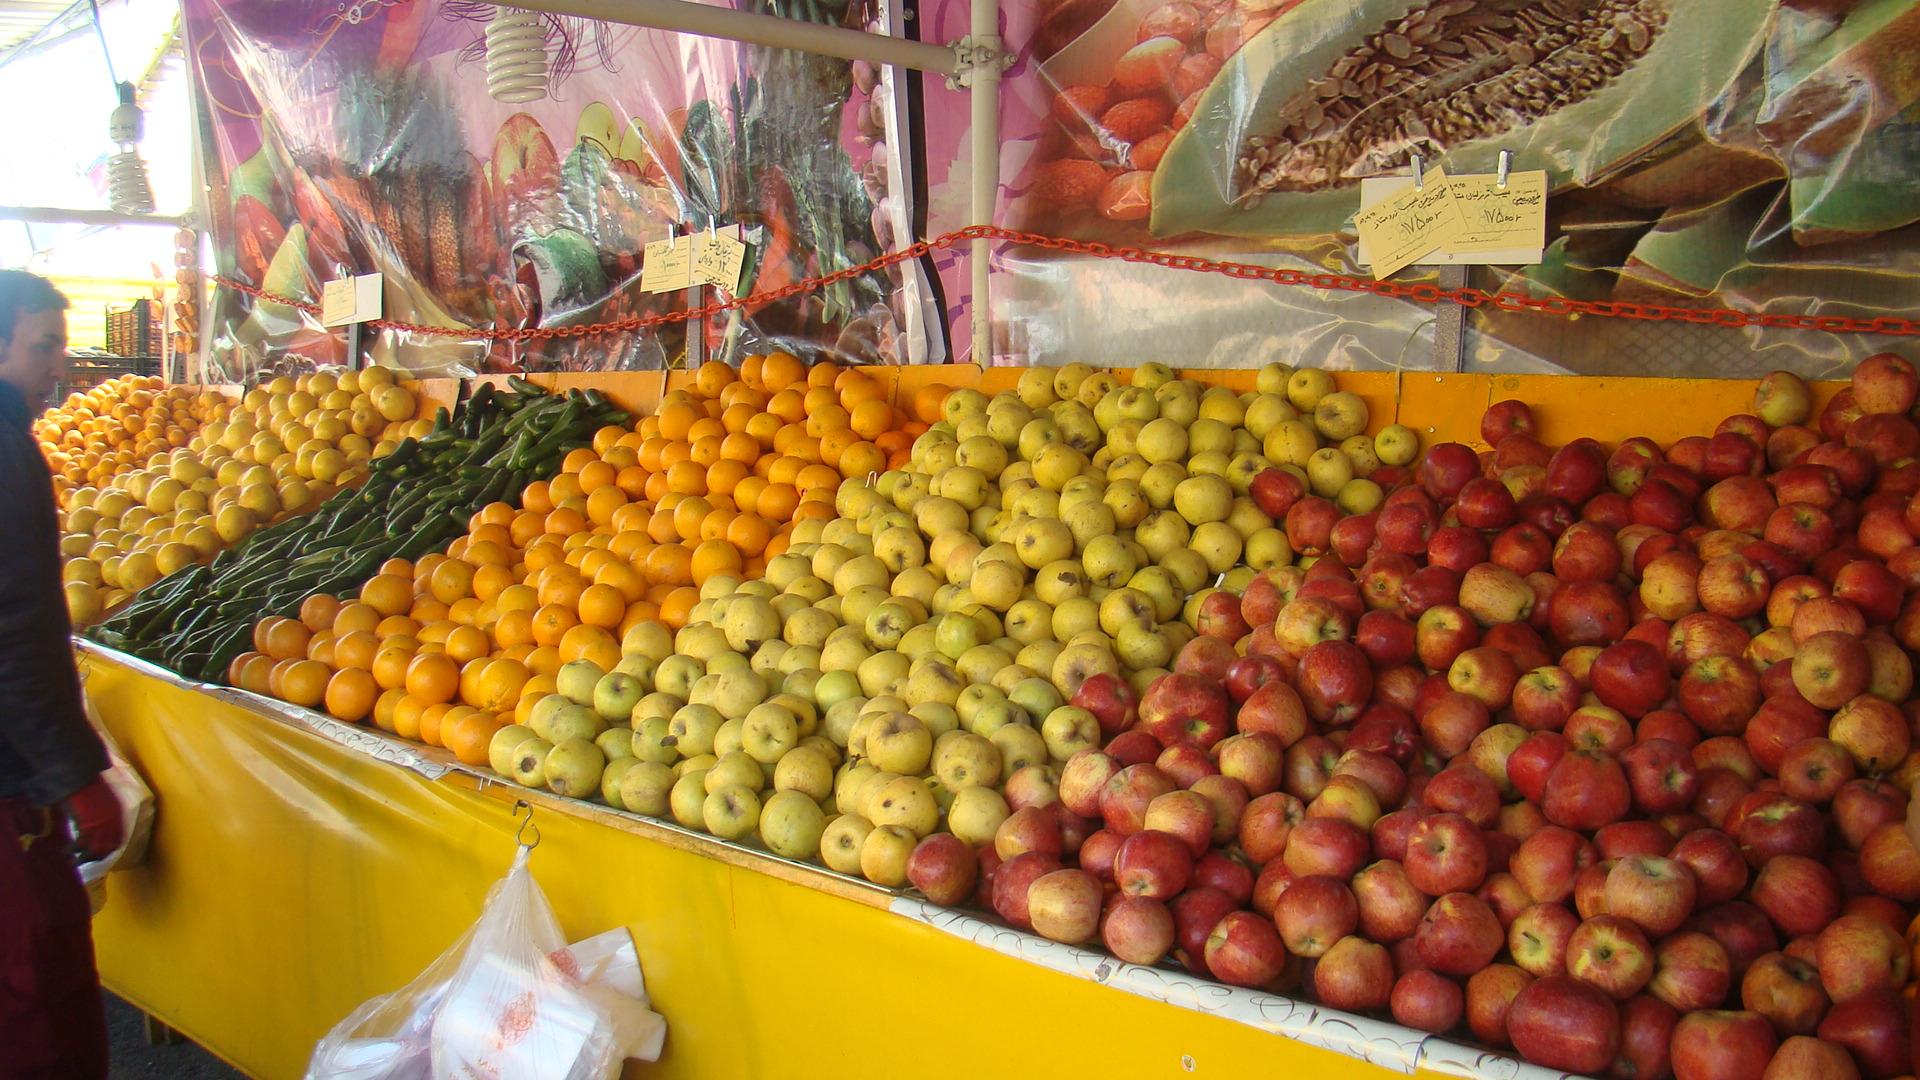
[[1601, 755]]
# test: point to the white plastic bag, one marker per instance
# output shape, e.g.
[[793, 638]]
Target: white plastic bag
[[509, 1000], [136, 816]]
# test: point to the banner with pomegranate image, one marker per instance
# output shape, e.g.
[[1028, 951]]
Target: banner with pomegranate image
[[360, 137], [1745, 153]]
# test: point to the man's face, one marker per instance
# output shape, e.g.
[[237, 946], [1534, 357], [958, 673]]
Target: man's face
[[35, 354]]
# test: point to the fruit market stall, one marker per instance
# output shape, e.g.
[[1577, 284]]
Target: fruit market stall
[[342, 802]]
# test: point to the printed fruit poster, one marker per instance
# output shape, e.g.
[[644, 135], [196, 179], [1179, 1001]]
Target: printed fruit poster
[[1741, 153], [360, 137]]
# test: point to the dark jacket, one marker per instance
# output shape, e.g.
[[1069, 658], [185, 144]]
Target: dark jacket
[[47, 749]]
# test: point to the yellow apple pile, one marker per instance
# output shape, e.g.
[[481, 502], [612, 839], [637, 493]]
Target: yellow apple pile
[[905, 667], [282, 449]]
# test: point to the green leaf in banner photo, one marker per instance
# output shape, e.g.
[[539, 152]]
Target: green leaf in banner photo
[[1872, 189], [1331, 92]]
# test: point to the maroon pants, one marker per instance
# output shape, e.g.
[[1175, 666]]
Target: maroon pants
[[52, 1022]]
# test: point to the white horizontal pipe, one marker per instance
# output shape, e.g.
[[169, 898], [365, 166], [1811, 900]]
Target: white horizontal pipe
[[43, 215], [756, 29]]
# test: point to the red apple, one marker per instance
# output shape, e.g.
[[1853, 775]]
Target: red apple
[[1446, 468], [1355, 974], [1245, 950], [1890, 863], [1874, 1029], [1561, 1023], [944, 868], [1463, 789], [1329, 846], [1138, 930], [1196, 913], [1030, 828], [1257, 761], [1863, 806], [1111, 701], [1493, 594], [1083, 778], [1309, 525], [1459, 935], [1610, 954], [1133, 747], [1011, 880], [1185, 815], [1781, 723], [1544, 697], [1335, 681], [1646, 1029], [1309, 765], [1721, 1045], [1577, 471], [1446, 853], [1690, 972], [1798, 894], [1453, 722], [1185, 763], [1504, 418], [1275, 491], [1548, 861], [1315, 912], [1661, 775], [1276, 709], [1124, 800], [1874, 732], [1064, 906], [1184, 708], [1266, 825], [1538, 938], [1803, 1057], [1392, 832], [1786, 991], [1857, 954], [1097, 853], [1657, 894], [1631, 676], [1427, 1001], [1815, 770], [1246, 675], [1387, 729], [1586, 790]]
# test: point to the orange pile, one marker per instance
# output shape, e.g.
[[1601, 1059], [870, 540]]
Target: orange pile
[[449, 648], [121, 424]]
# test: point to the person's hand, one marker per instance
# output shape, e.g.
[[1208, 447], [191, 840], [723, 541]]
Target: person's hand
[[97, 823]]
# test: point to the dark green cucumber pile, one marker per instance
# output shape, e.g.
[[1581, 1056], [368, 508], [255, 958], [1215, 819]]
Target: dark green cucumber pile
[[416, 500]]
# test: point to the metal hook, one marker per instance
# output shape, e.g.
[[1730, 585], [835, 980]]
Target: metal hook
[[1419, 173], [526, 825], [1506, 165]]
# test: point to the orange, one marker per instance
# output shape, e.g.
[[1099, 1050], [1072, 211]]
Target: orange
[[835, 443], [398, 568], [603, 606], [620, 457], [388, 594], [286, 639], [426, 610], [632, 481], [465, 611], [820, 398], [788, 405], [467, 643], [494, 513], [746, 493], [350, 694], [727, 473], [431, 719], [513, 628], [857, 388], [763, 427], [714, 525], [562, 586], [501, 684], [490, 551], [621, 577], [736, 416], [248, 671], [563, 487], [749, 533], [470, 736], [670, 564], [687, 477], [320, 647], [709, 428], [593, 559], [781, 370], [650, 453], [870, 419], [491, 580], [551, 623], [394, 625], [318, 610], [894, 442], [602, 504], [535, 497], [706, 450], [525, 527], [777, 502], [862, 459], [424, 568], [389, 666], [676, 420], [544, 660], [451, 580], [660, 527], [714, 557], [606, 438], [406, 716], [384, 707], [432, 678], [821, 376], [713, 377], [590, 643], [577, 460], [565, 521], [304, 682], [471, 673], [927, 401], [687, 517], [752, 367], [356, 616], [517, 598], [355, 650], [817, 478], [596, 475]]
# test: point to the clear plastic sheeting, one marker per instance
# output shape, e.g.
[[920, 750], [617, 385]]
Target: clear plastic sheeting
[[361, 138], [509, 1000]]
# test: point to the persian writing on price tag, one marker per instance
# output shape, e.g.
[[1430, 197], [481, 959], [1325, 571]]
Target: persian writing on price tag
[[667, 265], [1401, 228], [1514, 216], [350, 300], [718, 258]]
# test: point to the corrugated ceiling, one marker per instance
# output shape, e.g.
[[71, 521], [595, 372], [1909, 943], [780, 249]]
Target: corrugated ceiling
[[20, 20]]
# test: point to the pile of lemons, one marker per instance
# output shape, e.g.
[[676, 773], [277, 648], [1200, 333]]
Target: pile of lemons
[[286, 446]]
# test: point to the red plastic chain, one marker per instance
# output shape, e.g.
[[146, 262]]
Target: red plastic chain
[[1422, 293]]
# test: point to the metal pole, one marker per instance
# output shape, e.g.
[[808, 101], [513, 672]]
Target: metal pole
[[983, 87], [757, 29], [50, 216]]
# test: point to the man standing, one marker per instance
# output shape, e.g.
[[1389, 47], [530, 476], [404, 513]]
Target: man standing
[[51, 1019]]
